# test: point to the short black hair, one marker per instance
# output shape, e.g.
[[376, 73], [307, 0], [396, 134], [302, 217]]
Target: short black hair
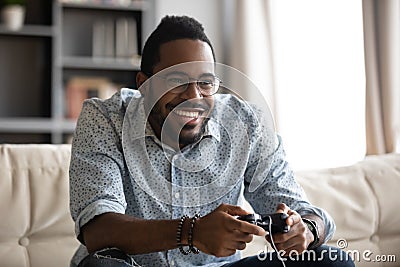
[[170, 28]]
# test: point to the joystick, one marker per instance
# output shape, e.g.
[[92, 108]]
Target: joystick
[[277, 221]]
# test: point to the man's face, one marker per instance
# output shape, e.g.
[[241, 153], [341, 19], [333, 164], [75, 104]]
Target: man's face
[[180, 117]]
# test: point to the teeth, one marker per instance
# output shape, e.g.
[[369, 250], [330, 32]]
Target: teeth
[[191, 114]]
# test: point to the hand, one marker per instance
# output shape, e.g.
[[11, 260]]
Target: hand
[[299, 236], [220, 234]]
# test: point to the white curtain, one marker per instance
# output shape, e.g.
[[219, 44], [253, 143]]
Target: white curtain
[[249, 45], [307, 58], [382, 62]]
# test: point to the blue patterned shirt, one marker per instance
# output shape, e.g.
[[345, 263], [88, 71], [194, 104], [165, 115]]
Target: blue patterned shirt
[[119, 165]]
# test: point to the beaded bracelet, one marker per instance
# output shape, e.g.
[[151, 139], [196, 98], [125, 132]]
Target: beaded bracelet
[[179, 235], [190, 236]]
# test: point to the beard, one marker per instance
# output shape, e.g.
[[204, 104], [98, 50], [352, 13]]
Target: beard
[[186, 135], [191, 139]]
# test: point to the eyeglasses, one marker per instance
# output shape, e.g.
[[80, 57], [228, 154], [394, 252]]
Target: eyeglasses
[[207, 84]]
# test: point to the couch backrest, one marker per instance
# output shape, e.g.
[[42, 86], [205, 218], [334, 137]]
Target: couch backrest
[[363, 200], [36, 228]]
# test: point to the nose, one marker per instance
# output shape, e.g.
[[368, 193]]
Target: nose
[[191, 91]]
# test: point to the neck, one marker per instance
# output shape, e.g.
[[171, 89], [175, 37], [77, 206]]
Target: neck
[[163, 136]]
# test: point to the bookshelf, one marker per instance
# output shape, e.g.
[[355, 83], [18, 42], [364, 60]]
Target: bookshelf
[[57, 44]]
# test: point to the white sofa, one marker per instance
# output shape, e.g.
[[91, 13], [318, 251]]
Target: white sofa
[[36, 228]]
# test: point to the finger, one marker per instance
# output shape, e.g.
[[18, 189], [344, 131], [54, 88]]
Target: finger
[[237, 245], [249, 228], [281, 237], [287, 244], [277, 238], [232, 210], [293, 219], [282, 208], [240, 245], [243, 237], [268, 238], [290, 212]]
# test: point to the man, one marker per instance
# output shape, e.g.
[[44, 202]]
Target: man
[[157, 175]]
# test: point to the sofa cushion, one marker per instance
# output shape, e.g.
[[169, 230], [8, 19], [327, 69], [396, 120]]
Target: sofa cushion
[[383, 175], [346, 195], [34, 202]]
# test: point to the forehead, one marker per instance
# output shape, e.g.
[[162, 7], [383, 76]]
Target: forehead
[[174, 53]]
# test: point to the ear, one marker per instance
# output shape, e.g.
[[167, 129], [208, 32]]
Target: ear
[[140, 79]]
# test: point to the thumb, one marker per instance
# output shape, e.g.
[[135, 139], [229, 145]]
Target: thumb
[[282, 208]]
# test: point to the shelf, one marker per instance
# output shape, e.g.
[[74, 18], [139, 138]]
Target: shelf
[[29, 30], [101, 63], [36, 125], [134, 6], [46, 51]]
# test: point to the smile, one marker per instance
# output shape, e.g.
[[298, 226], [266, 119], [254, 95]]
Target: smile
[[186, 113]]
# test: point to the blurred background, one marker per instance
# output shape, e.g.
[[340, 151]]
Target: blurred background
[[329, 69]]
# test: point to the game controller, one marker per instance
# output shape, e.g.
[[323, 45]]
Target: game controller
[[278, 224]]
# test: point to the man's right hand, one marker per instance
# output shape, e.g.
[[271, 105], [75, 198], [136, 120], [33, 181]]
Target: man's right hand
[[220, 234]]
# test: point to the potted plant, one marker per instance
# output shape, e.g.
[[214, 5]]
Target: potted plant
[[13, 14]]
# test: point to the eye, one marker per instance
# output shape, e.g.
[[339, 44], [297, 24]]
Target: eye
[[206, 84]]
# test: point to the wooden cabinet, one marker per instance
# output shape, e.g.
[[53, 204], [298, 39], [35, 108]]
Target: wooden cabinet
[[58, 45]]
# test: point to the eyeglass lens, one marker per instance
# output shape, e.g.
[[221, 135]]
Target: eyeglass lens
[[207, 84]]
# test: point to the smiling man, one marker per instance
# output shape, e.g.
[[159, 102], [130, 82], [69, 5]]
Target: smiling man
[[186, 106], [158, 174]]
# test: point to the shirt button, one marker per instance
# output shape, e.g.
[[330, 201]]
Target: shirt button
[[177, 195], [172, 263]]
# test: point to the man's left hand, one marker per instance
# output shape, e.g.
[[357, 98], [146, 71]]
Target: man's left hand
[[299, 236]]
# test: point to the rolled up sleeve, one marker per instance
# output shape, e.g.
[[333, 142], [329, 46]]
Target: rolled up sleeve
[[96, 168]]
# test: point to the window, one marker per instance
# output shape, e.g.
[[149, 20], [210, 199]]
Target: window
[[320, 81]]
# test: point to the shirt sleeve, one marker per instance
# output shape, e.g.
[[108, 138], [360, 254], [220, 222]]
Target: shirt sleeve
[[96, 166], [276, 184]]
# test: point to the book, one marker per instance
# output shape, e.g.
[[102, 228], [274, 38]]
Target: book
[[109, 38], [80, 88], [126, 38], [103, 39], [98, 39], [132, 38]]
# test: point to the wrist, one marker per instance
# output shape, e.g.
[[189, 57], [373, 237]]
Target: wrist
[[312, 233], [197, 230], [309, 236], [185, 232], [180, 232], [193, 220]]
